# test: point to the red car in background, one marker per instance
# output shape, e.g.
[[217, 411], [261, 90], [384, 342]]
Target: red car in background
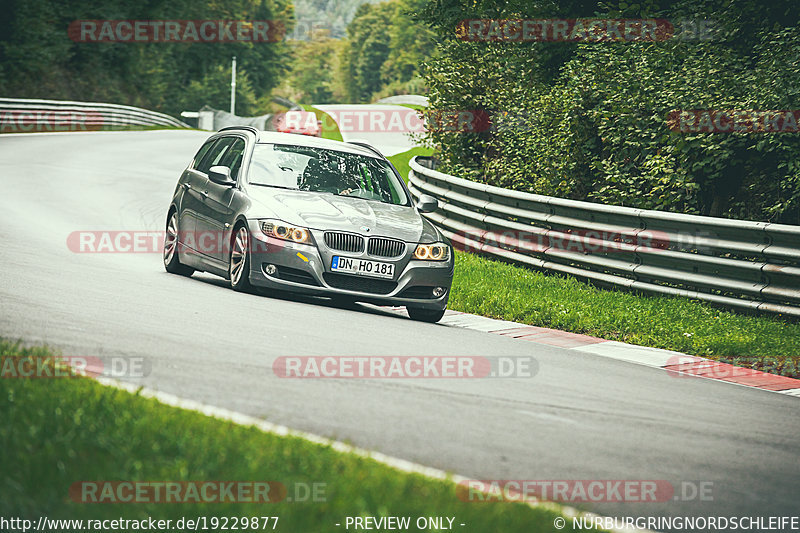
[[299, 122]]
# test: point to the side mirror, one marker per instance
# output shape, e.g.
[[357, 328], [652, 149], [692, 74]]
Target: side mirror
[[221, 175], [427, 204]]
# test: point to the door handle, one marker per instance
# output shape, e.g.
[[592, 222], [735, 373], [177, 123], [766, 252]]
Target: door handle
[[205, 194]]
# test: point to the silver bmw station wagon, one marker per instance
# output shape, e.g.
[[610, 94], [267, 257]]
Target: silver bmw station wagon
[[303, 214]]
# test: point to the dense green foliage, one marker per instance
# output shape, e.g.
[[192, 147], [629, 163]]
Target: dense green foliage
[[380, 57], [583, 121], [39, 60], [589, 121], [312, 73], [330, 15], [383, 51]]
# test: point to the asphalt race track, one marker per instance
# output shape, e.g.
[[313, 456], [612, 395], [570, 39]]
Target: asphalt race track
[[581, 417]]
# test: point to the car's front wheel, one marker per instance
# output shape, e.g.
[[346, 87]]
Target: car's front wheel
[[239, 266], [425, 315], [172, 262]]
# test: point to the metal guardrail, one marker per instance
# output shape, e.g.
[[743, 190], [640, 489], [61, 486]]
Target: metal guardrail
[[22, 115], [733, 263]]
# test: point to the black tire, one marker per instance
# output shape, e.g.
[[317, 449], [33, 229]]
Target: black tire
[[425, 315], [239, 260], [172, 262]]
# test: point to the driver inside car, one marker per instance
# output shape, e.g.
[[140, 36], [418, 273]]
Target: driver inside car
[[324, 177], [366, 183]]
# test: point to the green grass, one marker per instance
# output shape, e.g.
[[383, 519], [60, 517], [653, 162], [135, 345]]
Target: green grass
[[400, 161], [409, 106], [509, 292], [56, 432], [329, 128]]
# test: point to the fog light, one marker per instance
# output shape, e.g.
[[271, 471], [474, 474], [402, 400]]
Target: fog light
[[438, 292], [271, 270]]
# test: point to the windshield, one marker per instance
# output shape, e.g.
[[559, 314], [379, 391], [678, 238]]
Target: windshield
[[325, 171]]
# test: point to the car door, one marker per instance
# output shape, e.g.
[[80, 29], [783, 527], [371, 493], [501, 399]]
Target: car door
[[203, 241], [218, 199], [191, 183]]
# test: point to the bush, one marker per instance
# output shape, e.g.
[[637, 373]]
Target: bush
[[590, 121]]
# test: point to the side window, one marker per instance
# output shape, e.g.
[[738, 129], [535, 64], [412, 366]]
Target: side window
[[233, 158], [214, 156], [201, 153]]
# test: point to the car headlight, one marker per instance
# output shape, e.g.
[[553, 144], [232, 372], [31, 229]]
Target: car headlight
[[287, 232], [437, 251]]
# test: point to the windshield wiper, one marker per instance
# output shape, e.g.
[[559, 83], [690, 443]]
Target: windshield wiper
[[274, 186], [362, 198]]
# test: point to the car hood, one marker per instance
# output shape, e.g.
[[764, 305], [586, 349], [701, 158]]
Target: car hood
[[340, 213]]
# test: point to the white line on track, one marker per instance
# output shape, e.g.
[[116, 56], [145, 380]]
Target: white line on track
[[393, 462]]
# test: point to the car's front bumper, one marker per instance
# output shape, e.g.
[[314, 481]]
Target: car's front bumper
[[307, 269]]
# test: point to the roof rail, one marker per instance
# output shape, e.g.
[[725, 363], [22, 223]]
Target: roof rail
[[365, 144], [248, 128]]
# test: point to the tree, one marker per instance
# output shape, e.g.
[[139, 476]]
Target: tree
[[40, 60], [589, 121], [311, 79]]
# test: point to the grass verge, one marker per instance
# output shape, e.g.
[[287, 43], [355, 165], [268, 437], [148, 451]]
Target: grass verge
[[500, 290], [57, 432], [400, 161], [329, 128]]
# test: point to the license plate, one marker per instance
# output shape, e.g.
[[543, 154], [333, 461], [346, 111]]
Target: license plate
[[363, 267]]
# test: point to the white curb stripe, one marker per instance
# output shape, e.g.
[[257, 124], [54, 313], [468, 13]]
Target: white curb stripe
[[631, 353], [388, 460], [642, 355]]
